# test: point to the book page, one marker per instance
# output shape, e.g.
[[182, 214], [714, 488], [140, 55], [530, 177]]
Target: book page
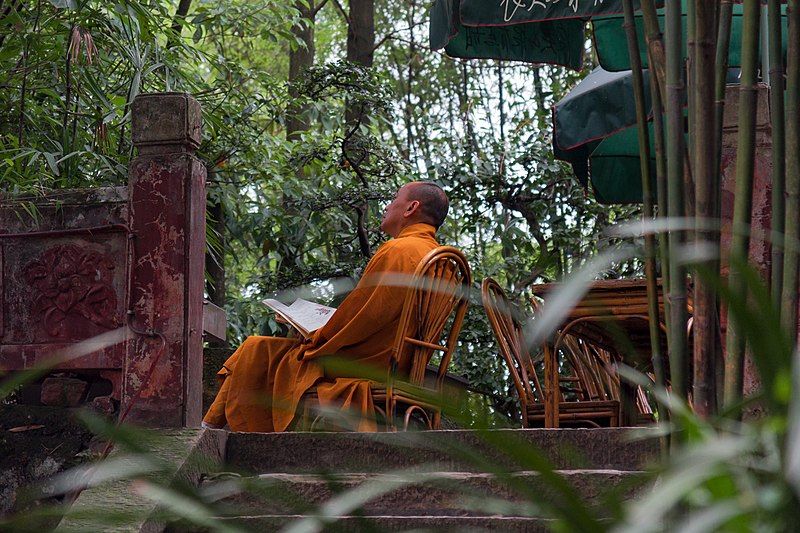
[[306, 316]]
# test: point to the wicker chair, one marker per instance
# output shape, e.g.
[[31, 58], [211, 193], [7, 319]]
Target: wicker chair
[[585, 395], [430, 321]]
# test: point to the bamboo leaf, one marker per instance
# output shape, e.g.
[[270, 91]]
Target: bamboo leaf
[[51, 162], [63, 4]]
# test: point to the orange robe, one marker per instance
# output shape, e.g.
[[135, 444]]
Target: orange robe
[[266, 377]]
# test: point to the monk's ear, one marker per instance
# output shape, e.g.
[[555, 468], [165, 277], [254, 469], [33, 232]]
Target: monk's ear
[[412, 208]]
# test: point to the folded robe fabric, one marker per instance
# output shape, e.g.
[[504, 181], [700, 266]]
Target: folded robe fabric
[[265, 379]]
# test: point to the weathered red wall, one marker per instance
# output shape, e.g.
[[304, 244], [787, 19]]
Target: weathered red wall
[[58, 285], [761, 212], [135, 281]]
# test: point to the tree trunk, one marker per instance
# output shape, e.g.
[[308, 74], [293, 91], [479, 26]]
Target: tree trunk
[[655, 46], [360, 43], [300, 59], [361, 50], [792, 226], [778, 146], [290, 246], [657, 62], [177, 22], [724, 23]]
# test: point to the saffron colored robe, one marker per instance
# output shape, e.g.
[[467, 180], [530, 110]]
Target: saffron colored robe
[[265, 379]]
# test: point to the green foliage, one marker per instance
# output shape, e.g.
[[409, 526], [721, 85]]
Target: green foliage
[[72, 69]]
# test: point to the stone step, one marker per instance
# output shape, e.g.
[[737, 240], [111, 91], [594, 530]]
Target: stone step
[[425, 493], [396, 523], [386, 523], [457, 450]]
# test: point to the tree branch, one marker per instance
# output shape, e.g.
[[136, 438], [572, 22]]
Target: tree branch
[[316, 9], [363, 239], [341, 11], [177, 21], [391, 34]]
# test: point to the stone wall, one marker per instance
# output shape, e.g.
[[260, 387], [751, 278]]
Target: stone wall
[[107, 284]]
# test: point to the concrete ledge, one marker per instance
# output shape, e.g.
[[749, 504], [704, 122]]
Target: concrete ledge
[[184, 455]]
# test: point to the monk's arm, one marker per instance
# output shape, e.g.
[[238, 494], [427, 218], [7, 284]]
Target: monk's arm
[[373, 306]]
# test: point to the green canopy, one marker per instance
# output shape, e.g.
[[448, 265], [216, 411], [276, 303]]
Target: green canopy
[[595, 111], [505, 12], [600, 105], [557, 42], [615, 171], [611, 46]]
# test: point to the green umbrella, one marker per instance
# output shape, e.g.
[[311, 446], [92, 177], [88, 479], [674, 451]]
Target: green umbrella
[[611, 166], [600, 105], [612, 50], [556, 42], [550, 31], [615, 167], [597, 109]]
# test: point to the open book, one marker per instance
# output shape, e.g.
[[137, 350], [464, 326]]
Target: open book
[[305, 316]]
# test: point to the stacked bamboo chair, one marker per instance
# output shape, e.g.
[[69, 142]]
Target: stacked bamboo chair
[[612, 310], [587, 392]]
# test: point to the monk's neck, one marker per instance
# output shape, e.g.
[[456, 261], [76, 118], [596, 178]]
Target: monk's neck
[[417, 230]]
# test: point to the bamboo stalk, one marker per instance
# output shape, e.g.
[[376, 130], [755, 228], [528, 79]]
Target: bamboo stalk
[[675, 176], [724, 22], [647, 193], [691, 45], [661, 193], [792, 225], [778, 145], [655, 45], [657, 62], [707, 186], [745, 158], [723, 49]]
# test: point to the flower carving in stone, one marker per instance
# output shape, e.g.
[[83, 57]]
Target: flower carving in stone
[[68, 283]]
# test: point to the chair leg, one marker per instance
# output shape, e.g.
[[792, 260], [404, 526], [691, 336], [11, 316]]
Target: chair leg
[[302, 424], [410, 411], [313, 424], [390, 425], [381, 412]]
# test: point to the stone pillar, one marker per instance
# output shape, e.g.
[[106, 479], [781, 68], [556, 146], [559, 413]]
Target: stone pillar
[[162, 383]]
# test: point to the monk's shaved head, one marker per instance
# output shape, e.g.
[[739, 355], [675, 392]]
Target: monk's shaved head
[[415, 202], [433, 201]]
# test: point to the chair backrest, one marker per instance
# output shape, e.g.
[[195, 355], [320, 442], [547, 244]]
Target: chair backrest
[[593, 366], [507, 327], [433, 312]]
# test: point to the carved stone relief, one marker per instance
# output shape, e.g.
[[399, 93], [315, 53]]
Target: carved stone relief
[[69, 283]]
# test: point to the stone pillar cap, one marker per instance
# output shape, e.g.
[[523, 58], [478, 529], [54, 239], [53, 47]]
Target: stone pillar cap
[[170, 119]]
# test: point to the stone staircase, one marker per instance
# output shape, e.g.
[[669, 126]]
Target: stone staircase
[[445, 480]]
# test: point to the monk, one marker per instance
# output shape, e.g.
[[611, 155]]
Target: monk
[[265, 379]]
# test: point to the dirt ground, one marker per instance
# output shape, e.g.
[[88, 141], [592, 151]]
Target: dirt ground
[[37, 442]]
